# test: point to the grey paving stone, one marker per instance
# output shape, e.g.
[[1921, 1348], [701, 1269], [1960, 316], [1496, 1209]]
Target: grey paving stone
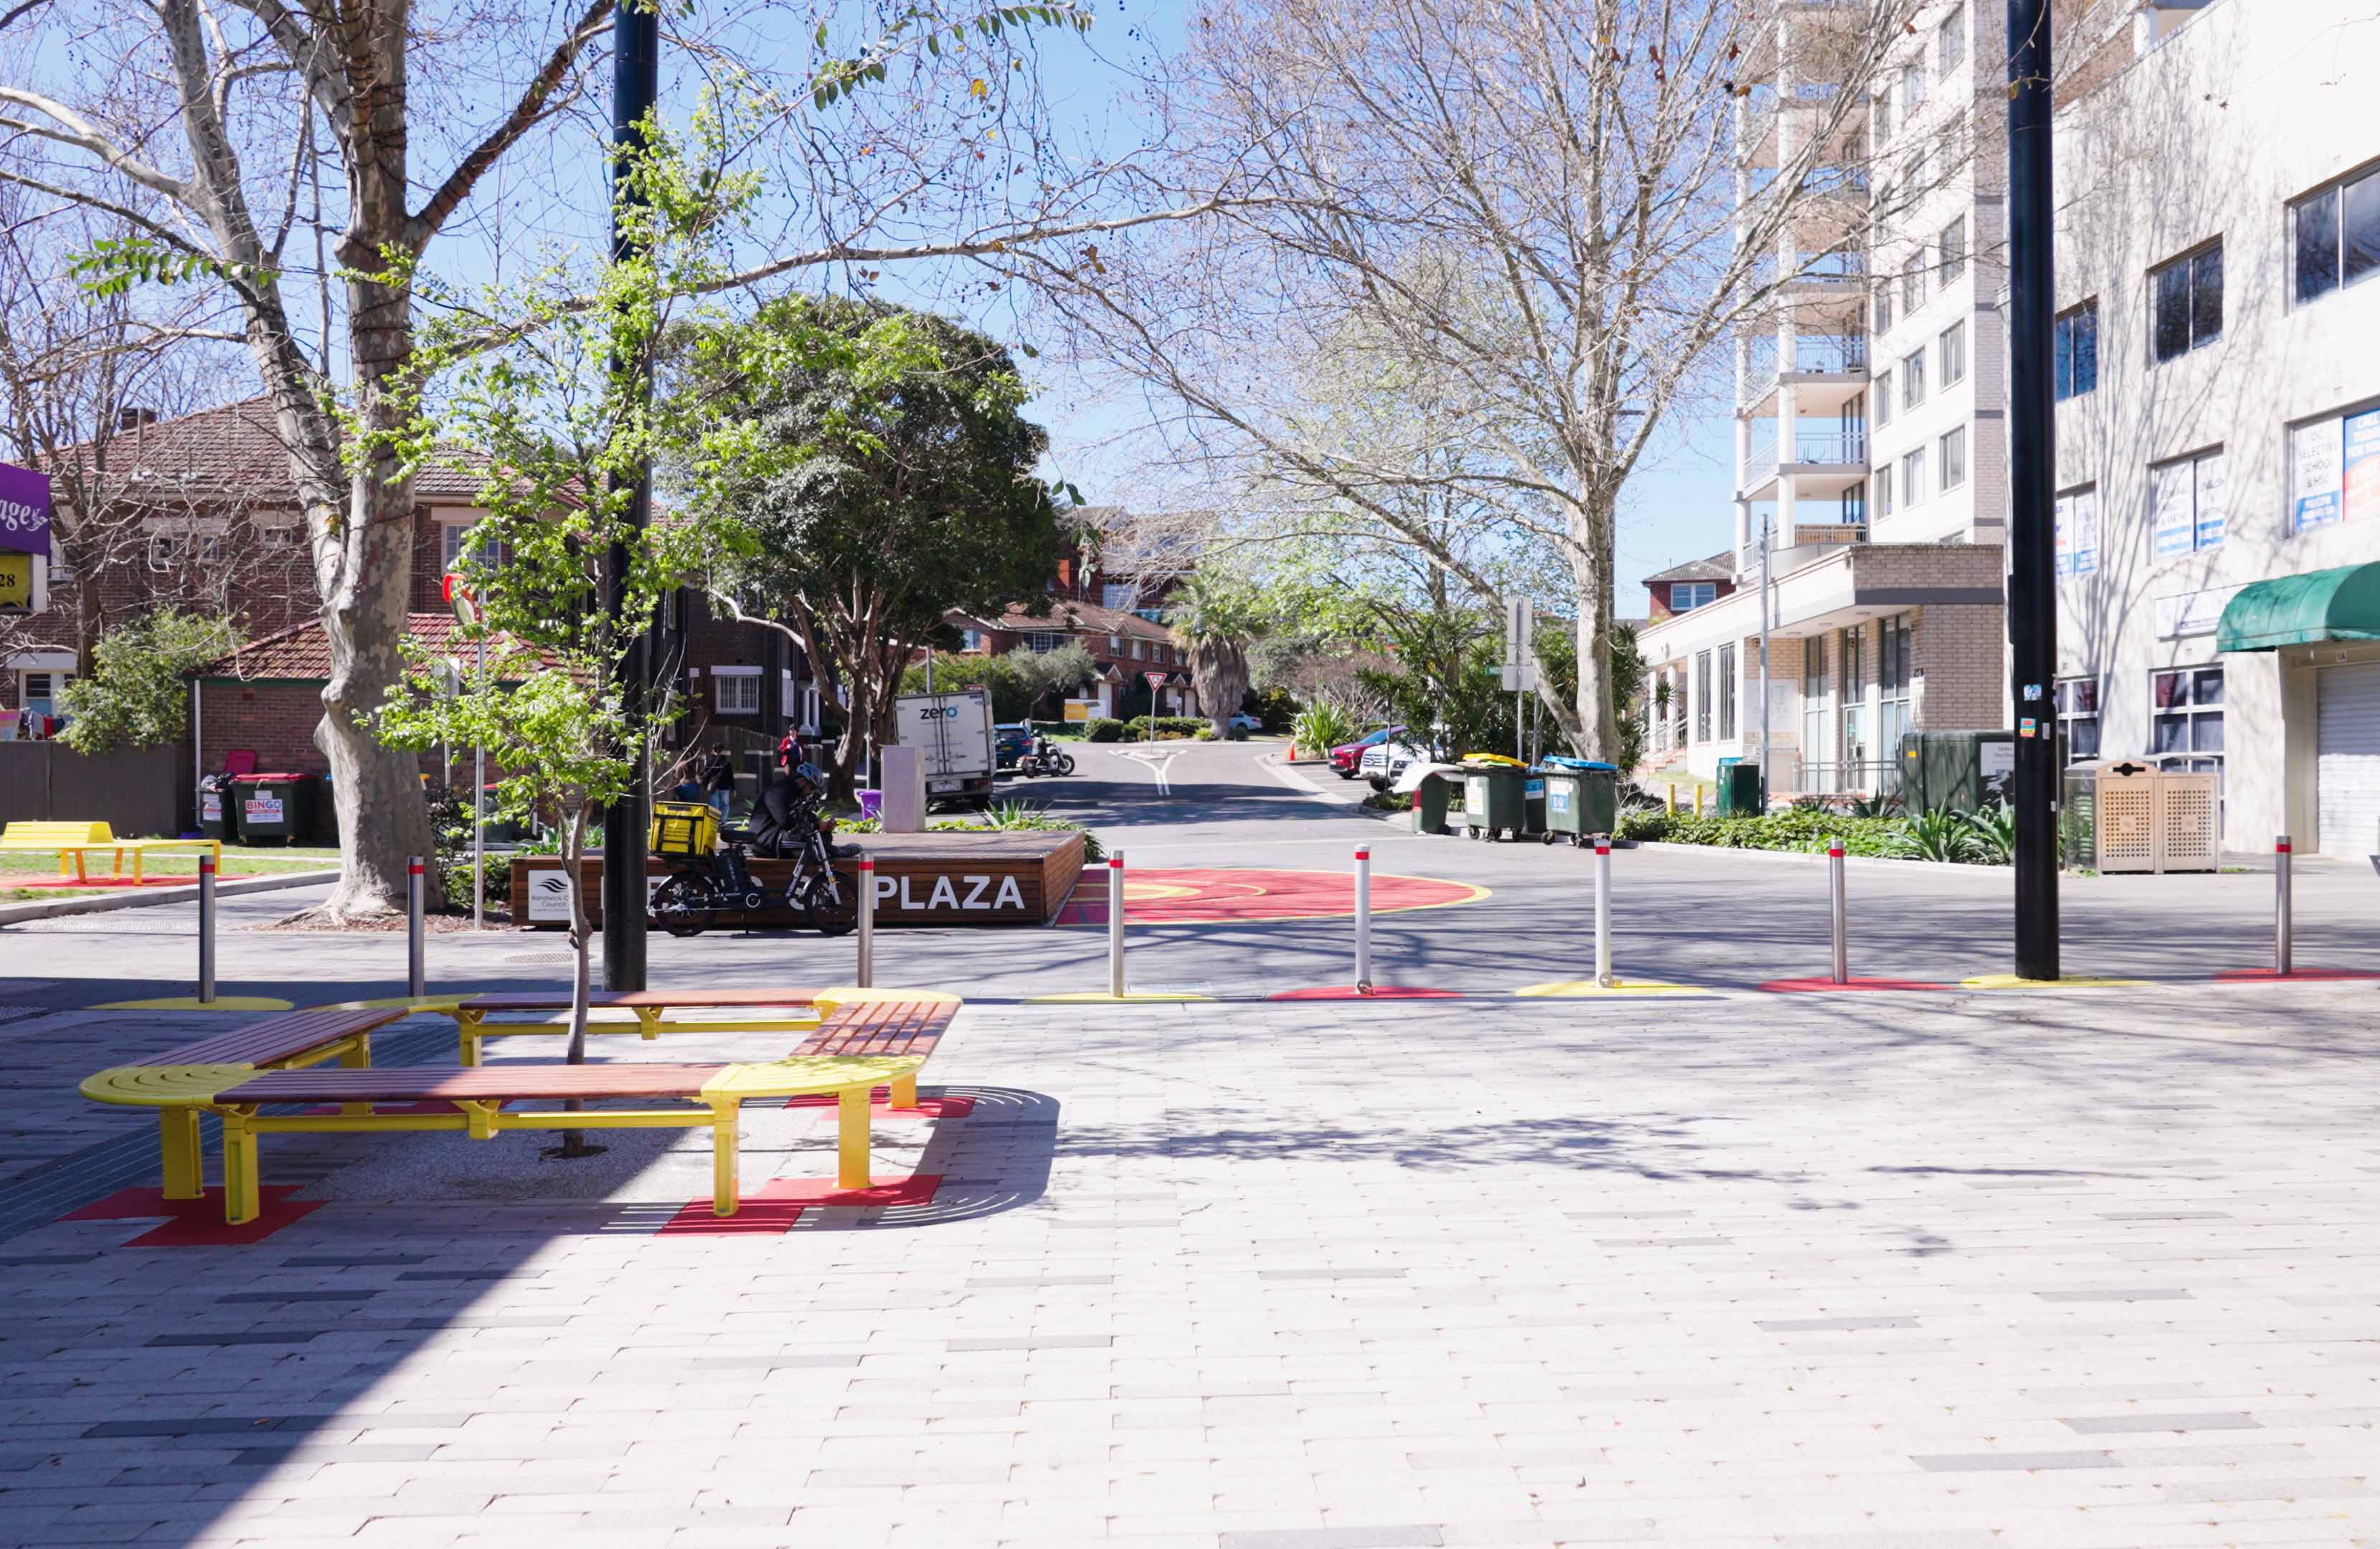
[[2017, 1463], [1336, 1538], [2107, 1424]]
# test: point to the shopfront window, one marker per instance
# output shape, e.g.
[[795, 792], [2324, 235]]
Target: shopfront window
[[2078, 718], [2186, 720], [1894, 638]]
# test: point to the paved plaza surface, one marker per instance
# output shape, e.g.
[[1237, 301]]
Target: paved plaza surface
[[2082, 1267]]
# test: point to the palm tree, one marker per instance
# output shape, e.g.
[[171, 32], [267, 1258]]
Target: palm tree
[[1215, 617]]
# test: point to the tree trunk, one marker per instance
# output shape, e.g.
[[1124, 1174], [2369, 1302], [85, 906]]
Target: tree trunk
[[1598, 718], [573, 848]]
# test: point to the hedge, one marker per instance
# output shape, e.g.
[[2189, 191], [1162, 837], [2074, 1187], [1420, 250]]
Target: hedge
[[1796, 828], [1167, 725]]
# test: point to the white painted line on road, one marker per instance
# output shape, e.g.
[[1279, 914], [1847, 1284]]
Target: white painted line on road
[[1158, 765]]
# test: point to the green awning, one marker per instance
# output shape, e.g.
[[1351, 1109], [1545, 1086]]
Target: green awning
[[2341, 604]]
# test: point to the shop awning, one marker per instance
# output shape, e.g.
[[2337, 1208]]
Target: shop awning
[[2341, 604]]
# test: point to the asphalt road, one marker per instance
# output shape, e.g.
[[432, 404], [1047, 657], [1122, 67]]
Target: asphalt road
[[1721, 919]]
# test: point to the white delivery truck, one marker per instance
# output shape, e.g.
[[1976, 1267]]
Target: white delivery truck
[[955, 731]]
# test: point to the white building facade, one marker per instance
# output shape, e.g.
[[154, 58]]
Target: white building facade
[[2218, 423]]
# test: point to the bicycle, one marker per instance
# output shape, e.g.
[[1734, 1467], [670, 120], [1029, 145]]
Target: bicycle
[[701, 888]]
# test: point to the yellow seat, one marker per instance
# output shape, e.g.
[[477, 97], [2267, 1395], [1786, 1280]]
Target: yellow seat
[[74, 841]]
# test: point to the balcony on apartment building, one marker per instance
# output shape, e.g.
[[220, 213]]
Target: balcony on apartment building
[[1826, 372], [1822, 460], [1795, 110]]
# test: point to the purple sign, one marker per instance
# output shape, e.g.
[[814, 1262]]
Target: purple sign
[[24, 511]]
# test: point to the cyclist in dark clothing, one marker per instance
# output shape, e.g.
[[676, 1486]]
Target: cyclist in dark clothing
[[787, 811]]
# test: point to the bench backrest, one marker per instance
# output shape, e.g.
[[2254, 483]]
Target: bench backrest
[[881, 1027], [281, 1037], [48, 835]]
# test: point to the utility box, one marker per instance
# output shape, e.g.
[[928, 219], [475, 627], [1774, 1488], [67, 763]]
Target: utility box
[[2126, 816], [1955, 771], [1740, 794]]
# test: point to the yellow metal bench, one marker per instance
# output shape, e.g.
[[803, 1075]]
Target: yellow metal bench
[[859, 1039], [76, 841]]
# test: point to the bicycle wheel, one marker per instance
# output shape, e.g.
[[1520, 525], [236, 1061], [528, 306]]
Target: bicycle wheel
[[682, 904], [832, 912]]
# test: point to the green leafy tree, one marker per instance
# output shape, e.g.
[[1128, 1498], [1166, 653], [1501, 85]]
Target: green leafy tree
[[1215, 616], [138, 695], [1558, 660], [559, 412], [884, 484], [1445, 687], [1050, 677], [1012, 699]]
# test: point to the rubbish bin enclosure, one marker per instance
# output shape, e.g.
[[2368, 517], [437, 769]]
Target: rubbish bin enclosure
[[2126, 816]]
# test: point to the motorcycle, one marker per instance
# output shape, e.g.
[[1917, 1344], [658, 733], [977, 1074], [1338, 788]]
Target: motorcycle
[[1045, 758]]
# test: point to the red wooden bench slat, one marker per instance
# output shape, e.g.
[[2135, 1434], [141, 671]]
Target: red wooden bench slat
[[487, 1084], [883, 1027], [277, 1037]]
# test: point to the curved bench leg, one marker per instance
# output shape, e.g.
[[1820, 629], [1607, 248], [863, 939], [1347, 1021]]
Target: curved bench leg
[[851, 1139], [357, 1058], [902, 1092], [241, 1200], [178, 1143], [726, 1191]]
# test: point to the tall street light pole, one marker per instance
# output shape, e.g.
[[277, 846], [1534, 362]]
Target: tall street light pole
[[2033, 456], [635, 83]]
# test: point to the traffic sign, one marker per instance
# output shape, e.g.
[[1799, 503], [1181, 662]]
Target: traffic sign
[[1155, 680]]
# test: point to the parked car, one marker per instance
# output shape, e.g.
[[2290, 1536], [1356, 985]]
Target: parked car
[[1347, 755], [1245, 723], [1383, 761], [1010, 740]]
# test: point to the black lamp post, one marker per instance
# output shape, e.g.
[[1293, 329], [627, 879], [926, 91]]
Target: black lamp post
[[2033, 459], [635, 83]]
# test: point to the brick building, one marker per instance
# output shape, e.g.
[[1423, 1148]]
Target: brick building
[[205, 517]]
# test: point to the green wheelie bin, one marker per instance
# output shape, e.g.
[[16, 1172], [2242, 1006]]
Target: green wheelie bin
[[1496, 799], [1582, 799], [1429, 799]]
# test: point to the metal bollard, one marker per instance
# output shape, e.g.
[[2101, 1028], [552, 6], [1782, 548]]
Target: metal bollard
[[1603, 911], [2282, 921], [1698, 801], [1842, 917], [206, 930], [1364, 921], [867, 973], [414, 983], [1115, 925]]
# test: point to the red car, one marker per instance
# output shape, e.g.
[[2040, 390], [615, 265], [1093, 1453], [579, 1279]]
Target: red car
[[1348, 756]]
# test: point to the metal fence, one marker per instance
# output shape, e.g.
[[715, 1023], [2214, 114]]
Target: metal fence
[[140, 790]]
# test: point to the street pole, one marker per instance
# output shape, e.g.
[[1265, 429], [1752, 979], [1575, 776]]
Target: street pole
[[1768, 541], [478, 807], [2032, 588], [636, 84]]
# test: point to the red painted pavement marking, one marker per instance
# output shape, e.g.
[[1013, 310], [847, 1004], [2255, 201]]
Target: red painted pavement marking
[[753, 1218], [1378, 992], [197, 1223], [1216, 896], [1801, 986], [2267, 976], [916, 1189]]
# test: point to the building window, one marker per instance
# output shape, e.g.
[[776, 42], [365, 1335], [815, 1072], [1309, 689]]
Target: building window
[[1882, 480], [1912, 283], [2077, 355], [276, 535], [1894, 638], [1913, 379], [493, 551], [735, 690], [1953, 467], [1913, 90], [38, 692], [1912, 478], [1140, 650], [1119, 595], [1726, 693], [1854, 700], [1041, 642], [1115, 645], [2186, 301], [1883, 307], [2186, 722], [2078, 718], [2076, 526], [171, 550], [2186, 504], [1884, 399], [1952, 348], [1884, 115], [1950, 41], [1814, 706], [2335, 470], [1954, 250], [2335, 234], [1703, 696], [61, 567], [1686, 596]]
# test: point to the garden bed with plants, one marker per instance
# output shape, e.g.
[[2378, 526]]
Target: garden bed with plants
[[1985, 837]]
